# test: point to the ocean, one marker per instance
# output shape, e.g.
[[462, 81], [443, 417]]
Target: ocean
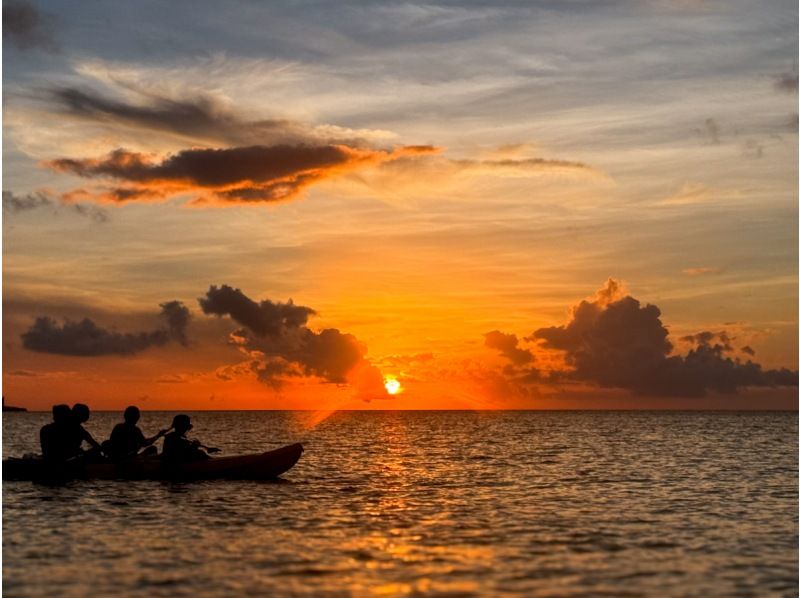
[[438, 503]]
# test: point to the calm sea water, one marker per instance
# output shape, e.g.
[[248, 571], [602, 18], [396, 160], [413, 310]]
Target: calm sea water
[[429, 503]]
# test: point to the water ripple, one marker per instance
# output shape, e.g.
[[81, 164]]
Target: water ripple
[[434, 504]]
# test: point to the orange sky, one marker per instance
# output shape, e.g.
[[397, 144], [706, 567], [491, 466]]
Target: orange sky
[[415, 187]]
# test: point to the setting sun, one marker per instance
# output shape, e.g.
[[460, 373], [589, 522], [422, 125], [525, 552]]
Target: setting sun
[[392, 386]]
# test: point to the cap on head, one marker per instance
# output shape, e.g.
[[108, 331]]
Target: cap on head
[[61, 413], [81, 412], [181, 423], [132, 414]]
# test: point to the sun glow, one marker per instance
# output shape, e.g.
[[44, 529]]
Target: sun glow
[[392, 385]]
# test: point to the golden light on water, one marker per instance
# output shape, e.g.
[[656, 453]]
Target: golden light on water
[[392, 385]]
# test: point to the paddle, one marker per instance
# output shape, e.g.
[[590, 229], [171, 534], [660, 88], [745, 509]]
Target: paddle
[[210, 449]]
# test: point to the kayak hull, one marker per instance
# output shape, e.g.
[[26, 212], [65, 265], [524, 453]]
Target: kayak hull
[[263, 466]]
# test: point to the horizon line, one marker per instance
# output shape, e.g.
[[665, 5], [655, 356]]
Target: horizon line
[[643, 409]]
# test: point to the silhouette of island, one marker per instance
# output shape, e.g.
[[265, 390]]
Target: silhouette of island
[[11, 408]]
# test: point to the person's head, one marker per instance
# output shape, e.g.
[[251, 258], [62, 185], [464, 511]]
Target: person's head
[[131, 415], [181, 423], [61, 413], [80, 412]]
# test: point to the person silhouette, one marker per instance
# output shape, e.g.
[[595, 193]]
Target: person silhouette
[[78, 434], [179, 449], [127, 438], [54, 437]]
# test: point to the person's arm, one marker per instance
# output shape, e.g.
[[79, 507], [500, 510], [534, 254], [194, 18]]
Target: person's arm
[[152, 439], [196, 444], [88, 438], [44, 442]]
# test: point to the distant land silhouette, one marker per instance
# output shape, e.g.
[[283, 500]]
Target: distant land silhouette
[[11, 407]]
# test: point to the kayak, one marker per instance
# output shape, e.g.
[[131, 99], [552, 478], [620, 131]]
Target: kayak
[[262, 466]]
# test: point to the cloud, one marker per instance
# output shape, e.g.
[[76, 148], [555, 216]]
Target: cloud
[[700, 271], [279, 345], [442, 168], [26, 27], [709, 132], [507, 344], [177, 316], [23, 203], [521, 166], [705, 338], [264, 318], [14, 204], [256, 173], [202, 118], [175, 379], [24, 373], [85, 338], [406, 360], [613, 341], [786, 82]]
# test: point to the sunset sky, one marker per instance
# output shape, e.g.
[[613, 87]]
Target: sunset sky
[[558, 204]]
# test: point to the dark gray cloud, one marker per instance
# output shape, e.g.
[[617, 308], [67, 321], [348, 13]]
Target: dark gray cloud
[[238, 174], [787, 82], [177, 317], [13, 204], [508, 345], [24, 203], [86, 339], [26, 27], [202, 117], [613, 341], [276, 335], [706, 338], [263, 318]]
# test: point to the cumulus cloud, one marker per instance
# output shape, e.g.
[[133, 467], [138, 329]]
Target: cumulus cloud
[[508, 345], [613, 341], [177, 317], [262, 318], [26, 27], [14, 204], [86, 339], [279, 345], [706, 337], [256, 173]]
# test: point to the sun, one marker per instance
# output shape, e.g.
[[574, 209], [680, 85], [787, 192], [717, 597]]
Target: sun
[[392, 385]]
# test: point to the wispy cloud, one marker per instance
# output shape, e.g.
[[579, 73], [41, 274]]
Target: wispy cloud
[[201, 117], [700, 271], [13, 204]]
